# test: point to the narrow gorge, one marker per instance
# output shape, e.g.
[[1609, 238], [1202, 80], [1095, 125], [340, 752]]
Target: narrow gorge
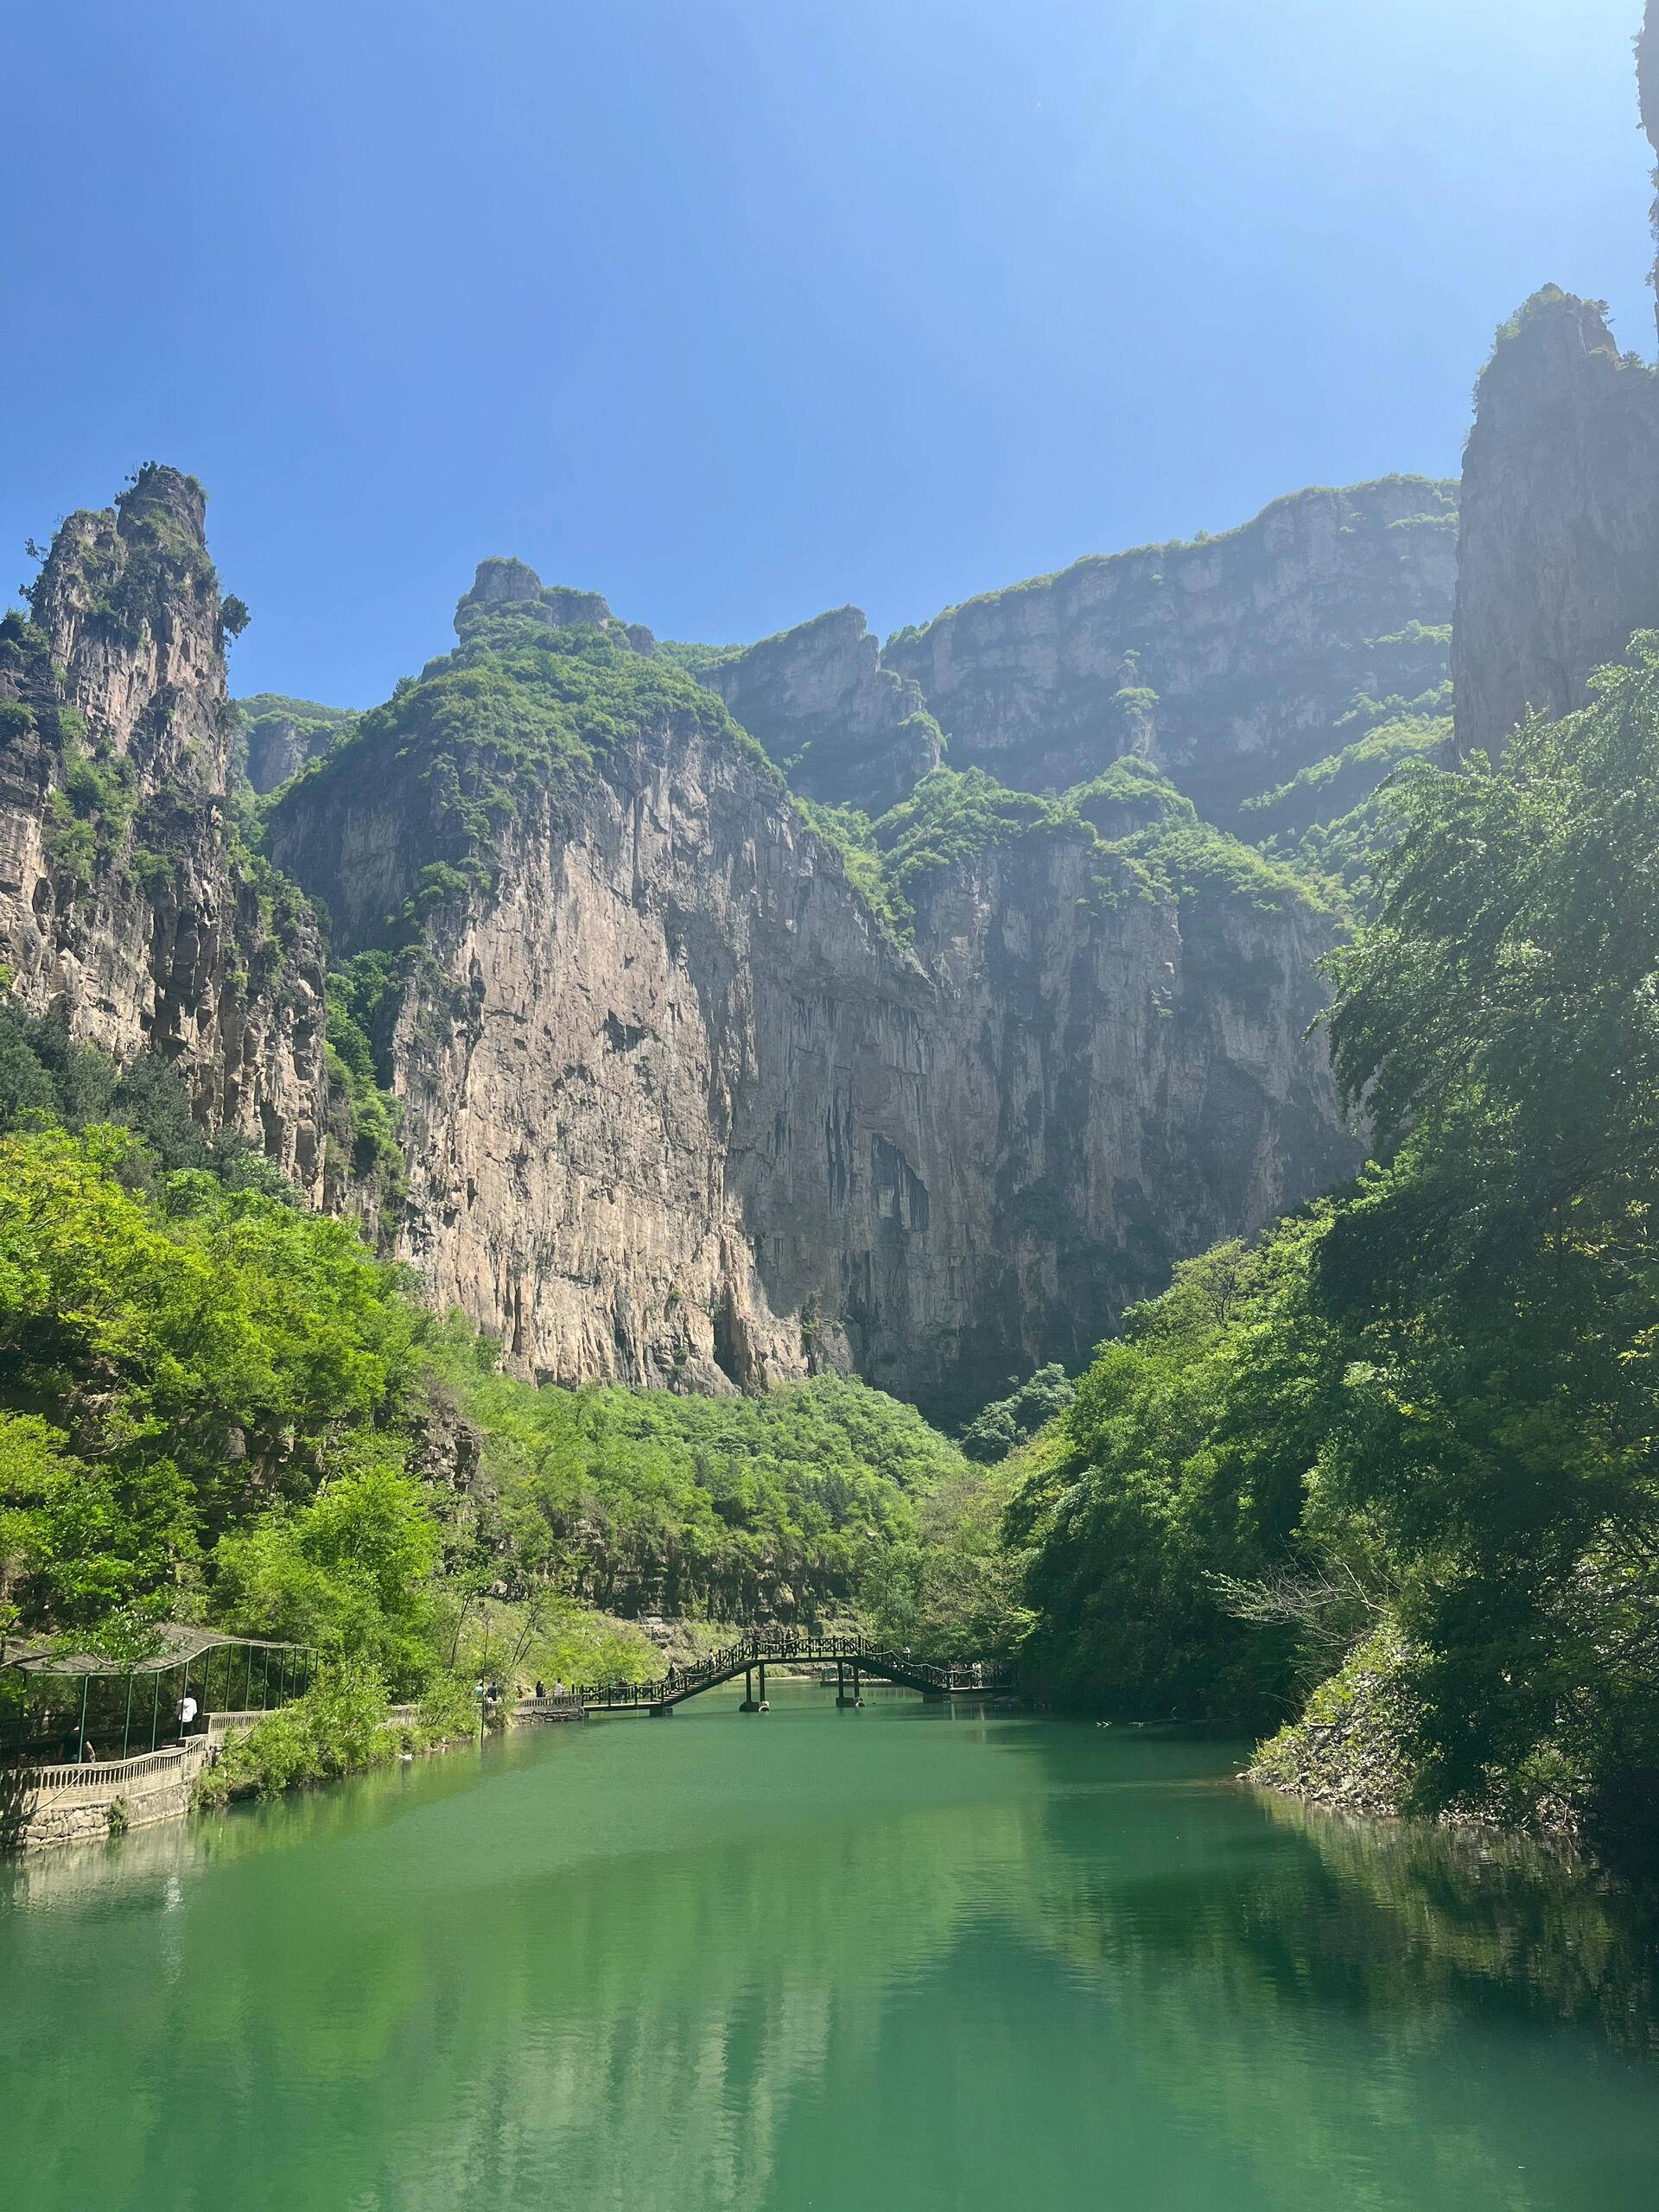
[[682, 1098]]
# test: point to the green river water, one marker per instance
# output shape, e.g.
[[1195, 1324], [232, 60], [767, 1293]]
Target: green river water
[[891, 1961]]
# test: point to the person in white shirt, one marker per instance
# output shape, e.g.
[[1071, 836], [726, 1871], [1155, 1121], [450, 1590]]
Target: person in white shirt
[[187, 1711]]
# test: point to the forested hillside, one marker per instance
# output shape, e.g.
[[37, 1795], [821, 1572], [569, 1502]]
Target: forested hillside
[[216, 1405], [1399, 1453]]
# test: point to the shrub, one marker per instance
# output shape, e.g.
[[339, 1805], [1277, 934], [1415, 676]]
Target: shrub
[[337, 1727]]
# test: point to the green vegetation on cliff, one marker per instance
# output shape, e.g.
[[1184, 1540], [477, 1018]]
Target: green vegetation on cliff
[[214, 1404], [358, 991], [278, 735], [1423, 1410], [1333, 822], [693, 659], [517, 709], [154, 556], [45, 1077], [1139, 837], [261, 707], [727, 1507]]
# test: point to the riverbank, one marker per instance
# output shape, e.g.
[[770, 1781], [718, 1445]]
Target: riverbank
[[44, 1806], [239, 1756], [1349, 1751]]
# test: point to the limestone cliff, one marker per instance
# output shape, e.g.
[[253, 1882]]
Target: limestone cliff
[[514, 585], [126, 903], [846, 728], [678, 1108], [1558, 559], [679, 1104], [278, 735], [1559, 551], [1228, 662]]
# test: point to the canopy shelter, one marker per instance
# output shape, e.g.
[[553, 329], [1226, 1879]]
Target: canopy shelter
[[134, 1700]]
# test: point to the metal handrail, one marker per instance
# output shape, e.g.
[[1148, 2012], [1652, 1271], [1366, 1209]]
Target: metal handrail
[[790, 1647]]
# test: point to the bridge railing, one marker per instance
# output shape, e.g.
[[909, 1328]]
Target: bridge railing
[[793, 1647]]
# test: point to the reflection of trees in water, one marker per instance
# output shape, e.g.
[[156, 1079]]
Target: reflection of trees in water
[[86, 1875], [1397, 1915], [1457, 1907], [629, 2029], [1321, 1992], [487, 2003]]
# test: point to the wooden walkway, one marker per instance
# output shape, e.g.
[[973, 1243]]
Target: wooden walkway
[[853, 1659]]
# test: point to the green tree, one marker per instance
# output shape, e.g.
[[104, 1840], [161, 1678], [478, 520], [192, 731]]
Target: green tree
[[1176, 1471], [348, 1573], [1426, 1407], [1498, 1273]]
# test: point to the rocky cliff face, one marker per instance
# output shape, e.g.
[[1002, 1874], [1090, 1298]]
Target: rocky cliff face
[[1558, 557], [1228, 662], [125, 903], [1559, 552], [678, 1105], [279, 735], [847, 729], [514, 584], [678, 1111]]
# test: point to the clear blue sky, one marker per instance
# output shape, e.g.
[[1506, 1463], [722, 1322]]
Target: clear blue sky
[[738, 310]]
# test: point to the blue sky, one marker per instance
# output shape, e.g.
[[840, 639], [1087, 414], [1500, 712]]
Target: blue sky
[[738, 310]]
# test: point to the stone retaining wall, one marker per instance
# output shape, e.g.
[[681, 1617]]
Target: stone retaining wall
[[530, 1709], [46, 1805], [41, 1806]]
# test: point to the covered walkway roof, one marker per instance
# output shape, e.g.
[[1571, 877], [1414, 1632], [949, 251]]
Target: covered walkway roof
[[174, 1644]]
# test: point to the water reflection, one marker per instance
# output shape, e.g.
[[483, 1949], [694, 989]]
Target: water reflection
[[1371, 2005], [873, 1959]]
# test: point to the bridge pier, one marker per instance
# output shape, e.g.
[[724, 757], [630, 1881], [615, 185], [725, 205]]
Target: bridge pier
[[659, 1712], [748, 1704], [841, 1697]]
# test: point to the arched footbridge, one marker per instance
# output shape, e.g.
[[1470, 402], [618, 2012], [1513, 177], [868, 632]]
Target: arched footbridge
[[854, 1661]]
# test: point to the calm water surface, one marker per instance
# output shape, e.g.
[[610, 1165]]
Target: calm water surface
[[891, 1960]]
